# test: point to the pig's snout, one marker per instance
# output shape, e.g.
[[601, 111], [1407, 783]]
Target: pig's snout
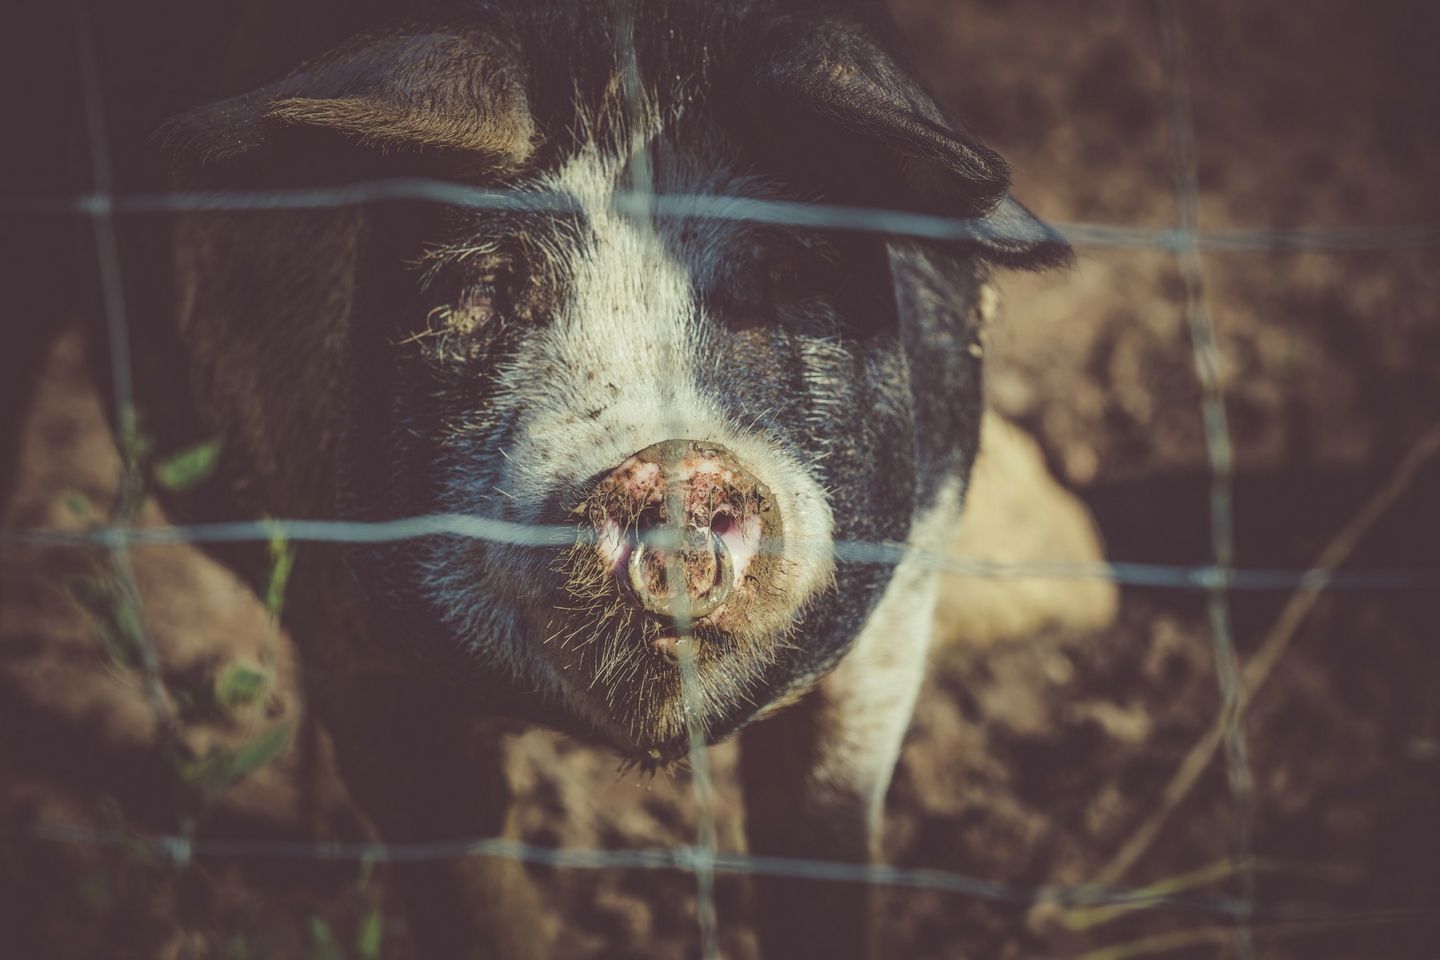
[[680, 525], [701, 564]]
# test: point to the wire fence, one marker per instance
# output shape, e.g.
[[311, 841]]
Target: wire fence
[[1218, 451], [1217, 579], [183, 850], [901, 223]]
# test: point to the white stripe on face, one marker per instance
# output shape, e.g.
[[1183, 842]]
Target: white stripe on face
[[613, 366], [616, 369]]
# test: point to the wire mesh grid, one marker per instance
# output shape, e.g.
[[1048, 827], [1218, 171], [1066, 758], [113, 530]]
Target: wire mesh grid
[[1186, 240]]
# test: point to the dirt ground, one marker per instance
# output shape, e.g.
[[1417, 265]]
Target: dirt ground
[[1054, 717]]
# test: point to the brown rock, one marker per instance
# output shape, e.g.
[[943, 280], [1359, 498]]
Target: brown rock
[[1016, 513]]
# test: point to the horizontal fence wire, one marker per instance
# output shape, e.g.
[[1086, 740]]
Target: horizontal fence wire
[[183, 849], [781, 212], [1172, 576]]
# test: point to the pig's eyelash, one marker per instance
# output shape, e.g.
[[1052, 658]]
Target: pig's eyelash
[[436, 257]]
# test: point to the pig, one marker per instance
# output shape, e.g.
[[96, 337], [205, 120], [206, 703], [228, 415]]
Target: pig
[[711, 405]]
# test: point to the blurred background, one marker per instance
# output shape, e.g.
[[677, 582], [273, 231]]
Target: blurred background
[[1047, 741]]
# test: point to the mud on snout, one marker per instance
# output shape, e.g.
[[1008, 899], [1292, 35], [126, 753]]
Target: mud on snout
[[679, 550]]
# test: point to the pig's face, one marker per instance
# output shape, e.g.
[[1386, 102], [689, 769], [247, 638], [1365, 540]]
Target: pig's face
[[544, 351], [759, 392]]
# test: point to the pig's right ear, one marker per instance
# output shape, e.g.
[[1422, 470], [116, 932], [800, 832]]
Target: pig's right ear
[[441, 91], [825, 100]]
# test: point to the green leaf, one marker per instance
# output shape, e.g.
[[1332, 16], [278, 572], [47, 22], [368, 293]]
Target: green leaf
[[282, 561], [189, 468], [135, 446], [221, 767], [114, 618], [370, 935], [79, 505], [260, 751], [209, 772], [240, 685], [322, 941]]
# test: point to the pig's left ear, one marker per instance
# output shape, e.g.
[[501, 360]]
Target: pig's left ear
[[825, 101], [418, 91]]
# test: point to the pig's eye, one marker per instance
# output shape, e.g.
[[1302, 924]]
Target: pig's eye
[[797, 279], [467, 313], [481, 297], [459, 319]]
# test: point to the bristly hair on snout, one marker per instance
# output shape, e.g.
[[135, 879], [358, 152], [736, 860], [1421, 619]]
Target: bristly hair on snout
[[614, 642]]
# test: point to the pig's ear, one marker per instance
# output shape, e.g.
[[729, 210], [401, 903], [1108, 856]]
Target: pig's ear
[[444, 91], [1012, 236], [832, 107]]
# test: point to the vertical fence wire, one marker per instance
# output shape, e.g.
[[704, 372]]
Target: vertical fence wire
[[641, 209], [1219, 452], [131, 493]]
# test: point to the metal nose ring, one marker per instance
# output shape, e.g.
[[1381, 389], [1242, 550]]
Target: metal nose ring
[[669, 603]]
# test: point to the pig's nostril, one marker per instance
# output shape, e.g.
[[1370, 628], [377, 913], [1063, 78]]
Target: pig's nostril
[[705, 569], [652, 516], [722, 523]]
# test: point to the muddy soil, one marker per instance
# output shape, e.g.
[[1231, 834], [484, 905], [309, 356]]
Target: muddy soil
[[1056, 713]]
